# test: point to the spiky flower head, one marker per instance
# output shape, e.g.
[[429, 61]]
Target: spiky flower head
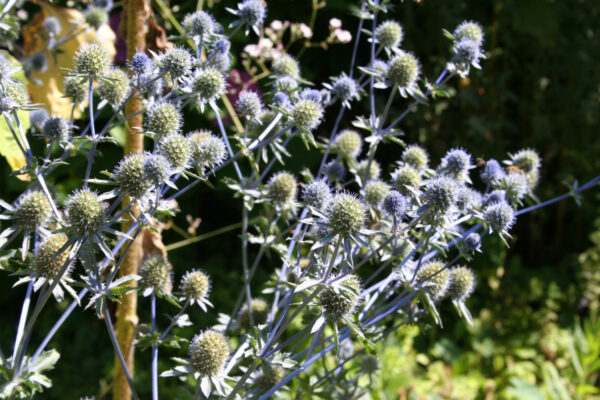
[[374, 170], [348, 143], [282, 188], [526, 160], [463, 283], [46, 262], [96, 17], [416, 157], [316, 193], [157, 168], [403, 70], [207, 84], [91, 60], [177, 62], [341, 302], [208, 353], [249, 104], [370, 364], [499, 217], [163, 118], [177, 149], [307, 114], [195, 285], [468, 199], [199, 23], [473, 242], [221, 46], [375, 192], [285, 84], [495, 196], [15, 96], [318, 96], [389, 34], [52, 26], [406, 177], [516, 186], [467, 53], [440, 197], [269, 377], [252, 12], [456, 163], [208, 151], [469, 30], [288, 66], [116, 88], [33, 210], [85, 212], [344, 88], [140, 63], [335, 171], [345, 215], [492, 172], [533, 178], [155, 274], [57, 128], [131, 175], [394, 204], [438, 278], [260, 312], [76, 88], [38, 117]]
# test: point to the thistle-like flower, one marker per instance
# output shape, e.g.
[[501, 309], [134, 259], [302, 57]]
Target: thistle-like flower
[[282, 188], [345, 215], [499, 218], [473, 242], [116, 88], [163, 118], [436, 279], [260, 313], [32, 210], [376, 191], [516, 186], [195, 286], [439, 198], [155, 275], [96, 17], [348, 143], [456, 164], [57, 129], [369, 364], [340, 301], [406, 180], [130, 175], [251, 13], [316, 193], [91, 60], [177, 149], [176, 62], [492, 172], [469, 30], [335, 171], [287, 65], [46, 262], [527, 160], [52, 26], [394, 204], [463, 283], [76, 88], [157, 169], [467, 54], [373, 173], [249, 105], [416, 157], [269, 377], [403, 72], [198, 24], [85, 212], [208, 353], [14, 96], [389, 34], [344, 89], [140, 63], [307, 114], [207, 84], [208, 151]]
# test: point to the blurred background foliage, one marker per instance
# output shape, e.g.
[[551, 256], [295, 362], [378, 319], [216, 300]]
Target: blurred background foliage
[[536, 333]]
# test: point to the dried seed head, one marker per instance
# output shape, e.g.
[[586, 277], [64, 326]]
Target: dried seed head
[[389, 34], [131, 176], [92, 60], [85, 212], [155, 274], [282, 188], [287, 65], [345, 214], [260, 313], [436, 277], [341, 303], [33, 210], [416, 157], [163, 118], [208, 353], [463, 283], [177, 149], [348, 143], [195, 285], [45, 263]]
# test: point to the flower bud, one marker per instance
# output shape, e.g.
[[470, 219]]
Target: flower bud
[[177, 62], [269, 378], [370, 364], [492, 173], [157, 168], [199, 23], [252, 12], [208, 84], [456, 164], [76, 88], [52, 25]]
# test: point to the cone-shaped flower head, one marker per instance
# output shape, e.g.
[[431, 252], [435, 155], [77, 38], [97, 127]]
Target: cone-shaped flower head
[[208, 150], [374, 170], [155, 274], [463, 283], [348, 143], [91, 60], [287, 65], [406, 177], [307, 114], [131, 176], [208, 353], [375, 192], [163, 118], [389, 34], [177, 149], [403, 70], [438, 280], [341, 302], [345, 215], [199, 23], [269, 378], [195, 285], [469, 30], [96, 17], [394, 204], [282, 188], [57, 128], [85, 212], [116, 90], [33, 210], [499, 217], [177, 62], [415, 156], [46, 262], [316, 193]]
